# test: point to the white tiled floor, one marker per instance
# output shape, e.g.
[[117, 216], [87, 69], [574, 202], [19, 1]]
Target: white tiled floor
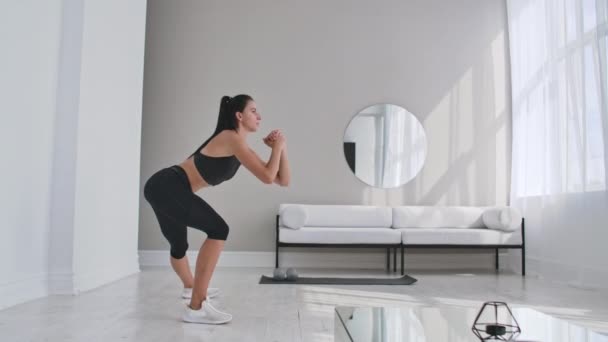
[[147, 307]]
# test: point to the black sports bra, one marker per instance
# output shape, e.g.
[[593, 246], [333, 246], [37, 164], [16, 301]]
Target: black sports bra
[[215, 170]]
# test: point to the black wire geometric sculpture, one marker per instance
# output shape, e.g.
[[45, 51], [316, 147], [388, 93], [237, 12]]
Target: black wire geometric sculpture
[[488, 328]]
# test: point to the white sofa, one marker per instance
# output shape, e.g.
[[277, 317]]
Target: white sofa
[[308, 225]]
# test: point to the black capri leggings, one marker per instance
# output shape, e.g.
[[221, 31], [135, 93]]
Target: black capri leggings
[[176, 207]]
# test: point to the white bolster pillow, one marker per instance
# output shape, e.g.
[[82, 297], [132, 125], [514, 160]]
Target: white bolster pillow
[[293, 216], [507, 219]]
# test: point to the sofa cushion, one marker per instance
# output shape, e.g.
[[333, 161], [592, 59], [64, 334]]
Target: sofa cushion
[[293, 216], [438, 217], [458, 236], [348, 216], [343, 235], [507, 219]]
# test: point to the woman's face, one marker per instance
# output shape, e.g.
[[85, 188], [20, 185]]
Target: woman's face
[[250, 118]]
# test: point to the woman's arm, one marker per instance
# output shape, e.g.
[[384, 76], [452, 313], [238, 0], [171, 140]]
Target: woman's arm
[[284, 174], [266, 172]]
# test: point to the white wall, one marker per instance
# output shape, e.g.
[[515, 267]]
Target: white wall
[[30, 32], [109, 137], [97, 145], [61, 249], [71, 126], [311, 66]]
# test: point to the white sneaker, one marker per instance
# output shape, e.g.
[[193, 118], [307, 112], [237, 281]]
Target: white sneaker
[[206, 315], [211, 292]]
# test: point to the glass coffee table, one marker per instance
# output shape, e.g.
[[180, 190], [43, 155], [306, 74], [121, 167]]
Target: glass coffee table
[[446, 324]]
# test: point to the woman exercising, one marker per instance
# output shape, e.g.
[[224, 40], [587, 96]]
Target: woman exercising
[[170, 192]]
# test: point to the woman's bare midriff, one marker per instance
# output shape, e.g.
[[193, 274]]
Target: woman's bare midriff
[[196, 180]]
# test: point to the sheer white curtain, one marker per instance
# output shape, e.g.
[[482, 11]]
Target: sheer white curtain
[[558, 66], [394, 146], [403, 147], [560, 121]]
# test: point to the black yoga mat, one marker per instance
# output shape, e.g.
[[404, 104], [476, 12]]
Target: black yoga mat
[[404, 280]]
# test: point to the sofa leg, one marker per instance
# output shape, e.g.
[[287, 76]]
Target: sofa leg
[[496, 261], [523, 261], [402, 263], [388, 259], [395, 259], [276, 257]]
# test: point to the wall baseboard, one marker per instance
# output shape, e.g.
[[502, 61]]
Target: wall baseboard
[[94, 279], [61, 283], [23, 290], [69, 283], [332, 260], [580, 276]]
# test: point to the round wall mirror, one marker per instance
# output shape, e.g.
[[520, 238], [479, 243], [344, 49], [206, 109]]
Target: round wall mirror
[[385, 145]]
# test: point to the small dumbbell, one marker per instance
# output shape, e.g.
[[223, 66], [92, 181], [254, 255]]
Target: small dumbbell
[[279, 274], [291, 274]]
